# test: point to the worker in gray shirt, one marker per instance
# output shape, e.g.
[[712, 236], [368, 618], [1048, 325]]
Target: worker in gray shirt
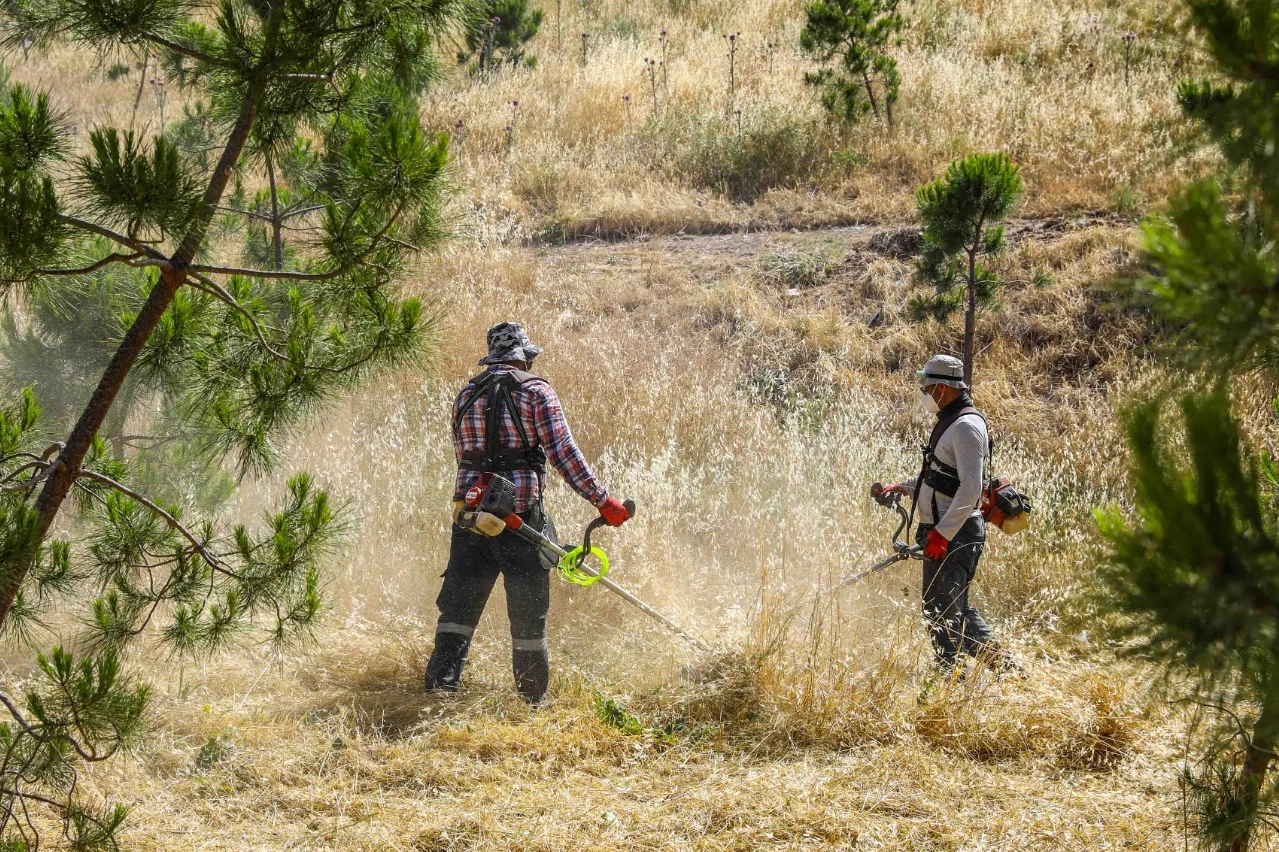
[[947, 495]]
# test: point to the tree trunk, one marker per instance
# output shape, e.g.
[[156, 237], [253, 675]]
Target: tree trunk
[[970, 318], [69, 461], [870, 93], [277, 225], [888, 111], [970, 315], [1256, 766]]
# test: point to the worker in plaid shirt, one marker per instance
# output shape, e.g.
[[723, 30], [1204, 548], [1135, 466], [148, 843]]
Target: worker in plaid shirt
[[538, 408], [509, 423]]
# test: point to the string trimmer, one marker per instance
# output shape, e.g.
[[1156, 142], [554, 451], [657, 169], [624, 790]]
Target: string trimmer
[[901, 550], [490, 509]]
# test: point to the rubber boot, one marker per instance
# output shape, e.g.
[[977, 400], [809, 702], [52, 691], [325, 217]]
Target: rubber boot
[[444, 671], [532, 671]]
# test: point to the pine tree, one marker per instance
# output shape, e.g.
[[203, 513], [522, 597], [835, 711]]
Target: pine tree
[[1197, 570], [237, 271], [498, 33], [960, 212], [854, 35]]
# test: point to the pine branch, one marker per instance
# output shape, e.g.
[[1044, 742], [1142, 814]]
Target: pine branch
[[46, 467], [114, 257], [102, 231], [377, 240], [284, 217], [26, 485], [208, 285], [186, 51], [215, 563], [404, 245], [14, 712]]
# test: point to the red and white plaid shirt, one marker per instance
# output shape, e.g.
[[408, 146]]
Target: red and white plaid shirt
[[543, 419]]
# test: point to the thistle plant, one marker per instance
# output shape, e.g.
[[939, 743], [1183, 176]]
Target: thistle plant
[[662, 43], [217, 331], [499, 32], [732, 65], [650, 71], [1129, 38], [509, 129]]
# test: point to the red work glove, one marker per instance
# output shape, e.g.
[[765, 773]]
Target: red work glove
[[935, 546], [879, 492], [614, 512]]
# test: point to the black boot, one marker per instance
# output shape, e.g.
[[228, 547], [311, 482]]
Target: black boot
[[444, 671], [532, 669]]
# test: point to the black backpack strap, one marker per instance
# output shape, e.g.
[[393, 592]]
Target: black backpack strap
[[479, 385], [498, 390], [946, 422], [945, 471], [506, 399]]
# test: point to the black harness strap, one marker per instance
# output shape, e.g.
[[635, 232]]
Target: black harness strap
[[498, 390], [940, 476]]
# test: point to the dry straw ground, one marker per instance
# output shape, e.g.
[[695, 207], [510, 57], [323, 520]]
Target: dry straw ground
[[745, 407], [744, 389]]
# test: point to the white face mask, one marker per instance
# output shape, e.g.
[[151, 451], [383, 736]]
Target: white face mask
[[929, 404]]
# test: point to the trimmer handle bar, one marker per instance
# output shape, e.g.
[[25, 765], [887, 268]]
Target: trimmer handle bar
[[901, 550]]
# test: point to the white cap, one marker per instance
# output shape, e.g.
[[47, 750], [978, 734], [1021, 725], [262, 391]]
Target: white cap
[[942, 370]]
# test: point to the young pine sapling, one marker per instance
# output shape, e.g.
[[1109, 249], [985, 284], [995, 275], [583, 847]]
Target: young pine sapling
[[961, 212], [851, 39]]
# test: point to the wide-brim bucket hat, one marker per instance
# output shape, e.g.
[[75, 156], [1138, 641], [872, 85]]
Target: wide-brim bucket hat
[[942, 370], [508, 341]]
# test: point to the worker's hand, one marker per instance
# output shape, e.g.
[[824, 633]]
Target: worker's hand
[[458, 506], [936, 545], [614, 512], [880, 492]]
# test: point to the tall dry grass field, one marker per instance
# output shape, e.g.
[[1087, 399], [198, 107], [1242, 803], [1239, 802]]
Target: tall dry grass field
[[746, 414], [556, 151], [744, 389], [1044, 81]]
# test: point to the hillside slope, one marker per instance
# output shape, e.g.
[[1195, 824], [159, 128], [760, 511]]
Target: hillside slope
[[745, 407]]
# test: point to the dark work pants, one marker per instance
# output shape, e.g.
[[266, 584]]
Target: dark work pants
[[956, 627], [475, 561]]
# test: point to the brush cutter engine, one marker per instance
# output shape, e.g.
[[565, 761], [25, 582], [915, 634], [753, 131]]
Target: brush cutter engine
[[489, 509], [487, 505], [491, 502], [1005, 507]]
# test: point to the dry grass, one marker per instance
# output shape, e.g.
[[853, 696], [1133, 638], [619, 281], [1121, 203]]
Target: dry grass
[[1044, 81], [350, 756], [817, 723], [744, 389]]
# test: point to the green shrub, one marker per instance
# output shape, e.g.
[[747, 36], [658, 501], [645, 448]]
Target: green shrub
[[743, 156]]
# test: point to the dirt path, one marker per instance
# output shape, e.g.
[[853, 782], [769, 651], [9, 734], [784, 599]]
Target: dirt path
[[744, 248]]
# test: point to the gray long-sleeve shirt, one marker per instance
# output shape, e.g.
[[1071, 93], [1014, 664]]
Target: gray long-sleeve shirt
[[964, 446]]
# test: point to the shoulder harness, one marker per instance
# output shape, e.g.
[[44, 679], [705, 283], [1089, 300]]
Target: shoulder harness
[[941, 477], [499, 389]]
